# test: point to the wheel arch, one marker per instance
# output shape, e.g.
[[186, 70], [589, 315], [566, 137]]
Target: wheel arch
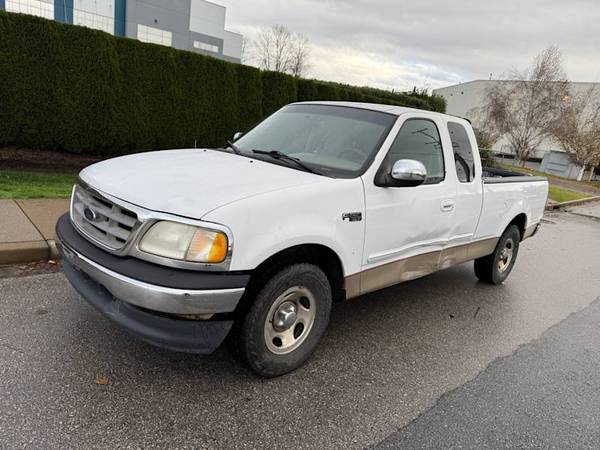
[[520, 220], [320, 255]]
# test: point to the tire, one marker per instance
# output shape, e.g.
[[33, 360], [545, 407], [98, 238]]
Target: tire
[[286, 321], [496, 268]]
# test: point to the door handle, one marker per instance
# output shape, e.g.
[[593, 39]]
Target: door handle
[[447, 205]]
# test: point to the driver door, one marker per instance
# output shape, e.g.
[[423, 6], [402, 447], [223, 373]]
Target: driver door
[[407, 227]]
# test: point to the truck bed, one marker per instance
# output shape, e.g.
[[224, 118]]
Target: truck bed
[[494, 175], [507, 194]]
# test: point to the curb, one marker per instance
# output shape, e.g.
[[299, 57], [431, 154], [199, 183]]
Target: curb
[[53, 252], [27, 252], [24, 252], [27, 233], [562, 205]]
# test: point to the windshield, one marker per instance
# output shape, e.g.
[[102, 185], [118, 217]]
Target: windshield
[[335, 140]]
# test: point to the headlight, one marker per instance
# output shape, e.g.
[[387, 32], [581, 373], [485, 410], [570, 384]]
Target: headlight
[[185, 242]]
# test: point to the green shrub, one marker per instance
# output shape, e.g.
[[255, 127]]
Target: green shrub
[[80, 90], [278, 89], [307, 90], [250, 95]]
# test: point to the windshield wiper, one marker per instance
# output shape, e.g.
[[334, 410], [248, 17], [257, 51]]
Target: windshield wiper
[[276, 154], [232, 146]]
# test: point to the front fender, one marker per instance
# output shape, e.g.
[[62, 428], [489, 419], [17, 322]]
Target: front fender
[[266, 224]]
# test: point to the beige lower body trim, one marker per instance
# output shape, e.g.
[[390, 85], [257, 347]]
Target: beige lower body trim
[[415, 267]]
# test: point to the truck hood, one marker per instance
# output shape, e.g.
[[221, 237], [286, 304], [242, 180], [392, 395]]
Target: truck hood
[[191, 182]]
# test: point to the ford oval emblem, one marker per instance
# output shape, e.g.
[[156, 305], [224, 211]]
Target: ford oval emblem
[[90, 214]]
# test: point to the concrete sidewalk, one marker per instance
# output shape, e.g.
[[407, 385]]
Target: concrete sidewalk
[[589, 210], [27, 229]]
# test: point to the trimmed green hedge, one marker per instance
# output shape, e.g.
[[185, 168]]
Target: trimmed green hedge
[[79, 90]]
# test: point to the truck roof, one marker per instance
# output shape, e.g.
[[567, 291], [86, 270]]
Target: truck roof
[[390, 109]]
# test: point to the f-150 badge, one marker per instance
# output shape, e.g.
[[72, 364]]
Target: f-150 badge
[[352, 217]]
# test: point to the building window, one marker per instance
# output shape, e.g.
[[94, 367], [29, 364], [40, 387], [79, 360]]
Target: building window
[[206, 47], [154, 35], [95, 21], [32, 7]]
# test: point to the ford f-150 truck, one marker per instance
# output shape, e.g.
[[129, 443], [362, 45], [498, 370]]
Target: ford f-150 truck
[[320, 202]]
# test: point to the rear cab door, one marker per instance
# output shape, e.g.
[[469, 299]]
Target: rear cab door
[[469, 185]]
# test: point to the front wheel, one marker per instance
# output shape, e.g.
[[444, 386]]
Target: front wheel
[[286, 321], [495, 268]]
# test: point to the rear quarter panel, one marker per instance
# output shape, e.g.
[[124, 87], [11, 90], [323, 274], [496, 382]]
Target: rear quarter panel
[[502, 202]]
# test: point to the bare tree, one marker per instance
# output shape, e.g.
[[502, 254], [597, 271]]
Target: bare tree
[[280, 50], [528, 108], [300, 55], [244, 56], [486, 131], [579, 130], [486, 137]]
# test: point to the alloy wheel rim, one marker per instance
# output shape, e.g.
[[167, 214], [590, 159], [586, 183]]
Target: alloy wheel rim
[[506, 255], [290, 320]]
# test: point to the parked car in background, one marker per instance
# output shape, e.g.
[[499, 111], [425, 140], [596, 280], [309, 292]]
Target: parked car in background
[[321, 202]]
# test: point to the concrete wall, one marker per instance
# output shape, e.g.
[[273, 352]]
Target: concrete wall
[[190, 22], [152, 13], [41, 8], [232, 48], [97, 14], [559, 163], [463, 99]]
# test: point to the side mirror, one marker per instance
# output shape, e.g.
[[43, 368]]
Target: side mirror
[[403, 173], [237, 135]]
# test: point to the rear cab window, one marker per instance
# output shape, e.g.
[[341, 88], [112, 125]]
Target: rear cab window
[[464, 160]]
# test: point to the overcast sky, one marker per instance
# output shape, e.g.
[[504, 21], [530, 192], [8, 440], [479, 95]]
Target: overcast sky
[[399, 44]]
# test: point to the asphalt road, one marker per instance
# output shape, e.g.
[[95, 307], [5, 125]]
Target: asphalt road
[[404, 360], [546, 395]]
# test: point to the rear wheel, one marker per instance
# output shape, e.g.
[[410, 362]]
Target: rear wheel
[[286, 321], [495, 268]]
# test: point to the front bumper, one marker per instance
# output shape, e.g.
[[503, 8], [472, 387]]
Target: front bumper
[[148, 285], [152, 297], [190, 336], [145, 308]]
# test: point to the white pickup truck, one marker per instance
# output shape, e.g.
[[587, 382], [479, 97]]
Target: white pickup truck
[[321, 202]]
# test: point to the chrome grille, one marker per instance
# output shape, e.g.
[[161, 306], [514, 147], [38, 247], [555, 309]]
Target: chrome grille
[[101, 219]]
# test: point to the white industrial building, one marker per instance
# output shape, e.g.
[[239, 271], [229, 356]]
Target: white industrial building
[[467, 100], [194, 25]]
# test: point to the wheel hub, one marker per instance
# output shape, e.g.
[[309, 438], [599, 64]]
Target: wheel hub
[[290, 320], [506, 255], [285, 317]]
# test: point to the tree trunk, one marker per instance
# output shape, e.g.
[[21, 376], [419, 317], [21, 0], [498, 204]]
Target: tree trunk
[[580, 175], [592, 171]]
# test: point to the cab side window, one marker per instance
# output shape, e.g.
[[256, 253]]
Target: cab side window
[[419, 139], [463, 152]]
